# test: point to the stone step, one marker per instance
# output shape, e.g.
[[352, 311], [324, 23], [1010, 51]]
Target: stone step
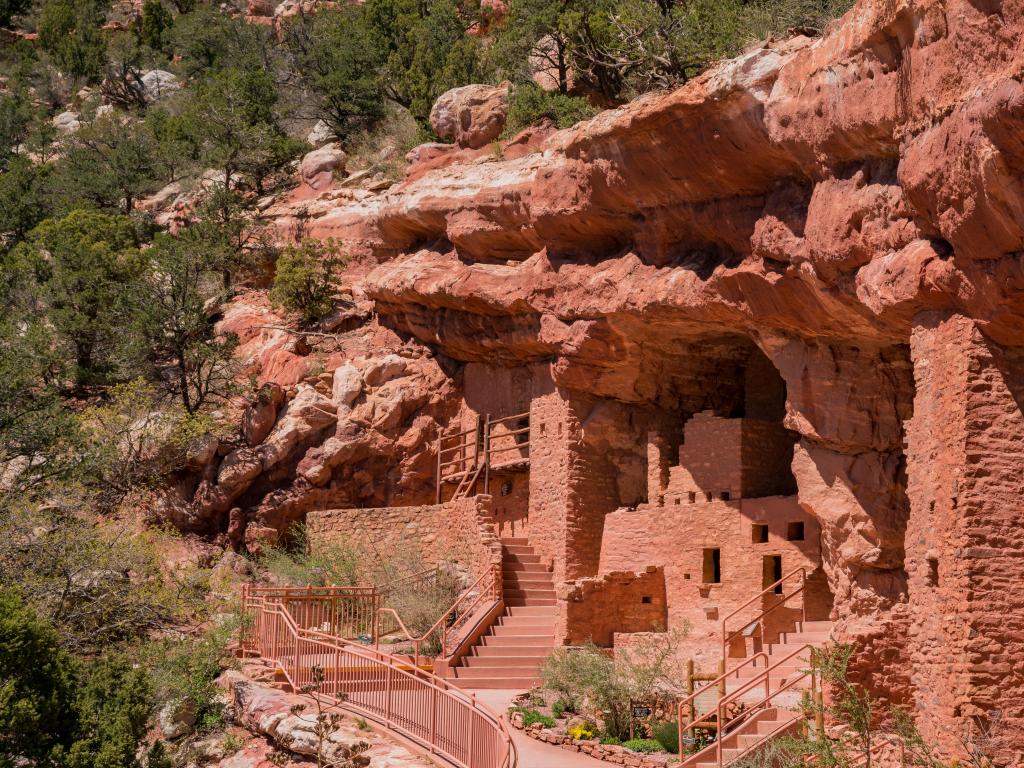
[[524, 559], [515, 566], [517, 602], [515, 541], [511, 651], [524, 580], [531, 663], [474, 670], [817, 626], [547, 623], [518, 641], [517, 549], [529, 592], [530, 610], [522, 632], [503, 683]]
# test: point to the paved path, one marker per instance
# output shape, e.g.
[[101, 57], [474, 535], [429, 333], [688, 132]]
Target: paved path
[[532, 753]]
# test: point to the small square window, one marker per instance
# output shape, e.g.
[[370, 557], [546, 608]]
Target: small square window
[[506, 487], [678, 501], [708, 496], [645, 599], [795, 531], [759, 533], [692, 496], [724, 495]]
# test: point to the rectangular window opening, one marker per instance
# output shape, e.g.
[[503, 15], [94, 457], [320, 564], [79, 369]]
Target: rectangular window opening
[[795, 531], [645, 599], [692, 496], [772, 570], [712, 566], [724, 495], [759, 533], [708, 496]]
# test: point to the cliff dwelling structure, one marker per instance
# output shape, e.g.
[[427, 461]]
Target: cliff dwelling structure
[[759, 337]]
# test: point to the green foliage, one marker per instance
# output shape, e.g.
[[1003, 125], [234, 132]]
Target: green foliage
[[84, 266], [619, 49], [114, 702], [529, 104], [156, 27], [24, 199], [188, 670], [175, 331], [667, 734], [209, 41], [11, 8], [304, 279], [592, 681], [339, 59], [427, 51], [607, 738], [69, 30], [532, 716], [158, 757], [37, 694], [558, 709], [107, 164], [98, 585], [645, 746], [333, 564], [233, 118]]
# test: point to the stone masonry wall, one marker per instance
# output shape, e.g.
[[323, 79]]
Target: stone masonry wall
[[461, 531], [596, 608], [964, 538], [675, 537]]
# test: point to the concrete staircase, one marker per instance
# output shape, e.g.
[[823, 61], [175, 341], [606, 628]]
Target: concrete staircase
[[782, 714], [814, 633], [762, 725], [515, 648]]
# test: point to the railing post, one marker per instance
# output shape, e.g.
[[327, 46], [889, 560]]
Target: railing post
[[387, 701], [433, 717], [819, 714], [472, 729], [721, 683]]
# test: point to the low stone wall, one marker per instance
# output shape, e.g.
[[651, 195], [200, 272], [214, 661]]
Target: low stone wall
[[610, 753], [596, 608], [461, 531]]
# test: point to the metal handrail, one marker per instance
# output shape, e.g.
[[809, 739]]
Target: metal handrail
[[490, 590], [770, 589], [419, 705], [688, 701], [722, 726]]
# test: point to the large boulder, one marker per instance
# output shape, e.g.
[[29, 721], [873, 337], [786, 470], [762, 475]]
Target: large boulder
[[67, 123], [158, 83], [318, 167], [473, 115]]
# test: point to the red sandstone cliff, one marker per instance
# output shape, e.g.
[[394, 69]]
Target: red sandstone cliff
[[850, 205]]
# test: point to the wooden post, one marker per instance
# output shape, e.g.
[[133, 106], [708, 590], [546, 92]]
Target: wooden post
[[689, 689], [440, 442], [487, 454], [819, 714]]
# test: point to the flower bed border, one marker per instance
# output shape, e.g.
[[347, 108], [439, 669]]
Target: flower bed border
[[610, 753]]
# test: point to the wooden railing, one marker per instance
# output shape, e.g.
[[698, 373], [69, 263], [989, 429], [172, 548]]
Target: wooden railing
[[466, 457], [798, 575], [731, 711], [444, 633], [419, 706]]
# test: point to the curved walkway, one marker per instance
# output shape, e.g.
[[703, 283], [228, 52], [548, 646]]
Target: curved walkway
[[533, 753]]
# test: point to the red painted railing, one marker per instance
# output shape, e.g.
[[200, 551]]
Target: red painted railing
[[733, 710], [798, 575], [436, 716], [346, 612], [443, 634]]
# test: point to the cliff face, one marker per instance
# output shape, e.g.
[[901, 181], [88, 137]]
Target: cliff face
[[851, 206]]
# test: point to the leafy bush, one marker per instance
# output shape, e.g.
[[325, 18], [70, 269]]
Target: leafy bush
[[582, 731], [531, 716], [336, 564], [667, 734], [642, 745], [592, 681], [528, 104], [304, 280], [36, 705], [187, 669], [607, 738], [558, 709]]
